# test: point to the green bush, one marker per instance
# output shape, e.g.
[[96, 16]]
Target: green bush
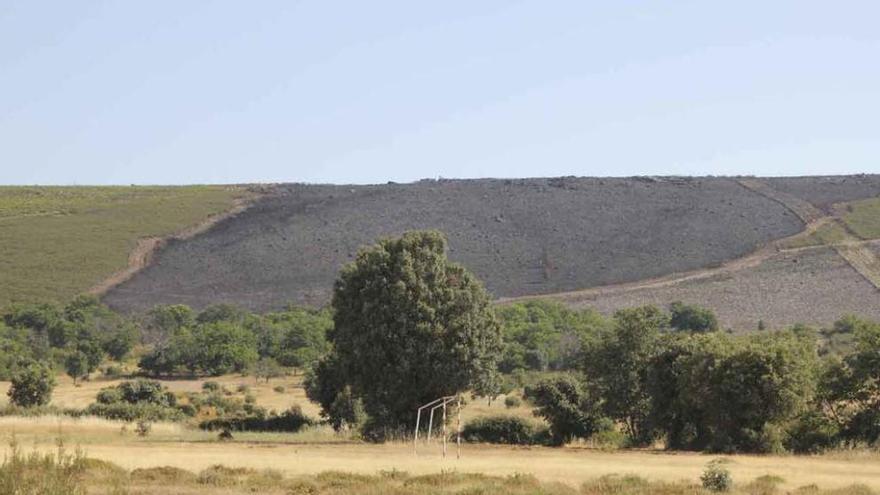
[[113, 371], [210, 386], [290, 421], [812, 433], [125, 411], [566, 406], [32, 385], [279, 388], [716, 477], [138, 400], [509, 430], [512, 401]]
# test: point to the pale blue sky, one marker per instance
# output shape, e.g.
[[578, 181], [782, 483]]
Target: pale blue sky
[[362, 92]]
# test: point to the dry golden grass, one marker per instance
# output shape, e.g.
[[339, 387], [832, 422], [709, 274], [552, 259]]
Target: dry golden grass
[[316, 450], [312, 452]]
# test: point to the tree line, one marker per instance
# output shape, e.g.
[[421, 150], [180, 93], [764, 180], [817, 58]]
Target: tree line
[[172, 340]]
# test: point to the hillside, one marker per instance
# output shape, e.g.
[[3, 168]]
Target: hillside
[[56, 242], [522, 237]]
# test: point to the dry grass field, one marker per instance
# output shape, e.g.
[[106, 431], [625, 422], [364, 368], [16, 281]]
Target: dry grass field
[[313, 452], [306, 454]]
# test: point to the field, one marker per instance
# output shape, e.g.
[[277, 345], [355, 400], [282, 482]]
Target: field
[[276, 461], [56, 242], [307, 455]]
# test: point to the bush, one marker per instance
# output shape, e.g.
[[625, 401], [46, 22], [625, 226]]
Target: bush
[[138, 400], [32, 385], [210, 386], [125, 411], [279, 388], [512, 401], [716, 477], [146, 391], [113, 371], [812, 433], [290, 421], [509, 430], [566, 406]]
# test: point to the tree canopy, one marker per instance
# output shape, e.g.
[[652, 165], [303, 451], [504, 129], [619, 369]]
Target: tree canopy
[[410, 327]]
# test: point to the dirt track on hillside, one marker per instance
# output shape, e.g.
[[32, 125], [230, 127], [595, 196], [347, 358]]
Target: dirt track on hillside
[[859, 255]]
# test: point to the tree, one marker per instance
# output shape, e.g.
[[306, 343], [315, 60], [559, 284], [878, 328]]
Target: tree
[[410, 327], [118, 342], [32, 385], [88, 342], [222, 347], [756, 391], [76, 364], [222, 312], [544, 334], [689, 318], [567, 408], [732, 394], [849, 389], [616, 367], [164, 321], [267, 368]]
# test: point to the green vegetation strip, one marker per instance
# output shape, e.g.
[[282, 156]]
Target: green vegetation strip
[[863, 218], [56, 242]]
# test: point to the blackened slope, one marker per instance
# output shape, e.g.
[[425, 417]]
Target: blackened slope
[[521, 237], [823, 192]]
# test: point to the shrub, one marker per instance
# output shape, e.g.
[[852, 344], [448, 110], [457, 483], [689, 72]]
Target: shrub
[[113, 371], [566, 406], [109, 395], [812, 433], [512, 401], [279, 388], [146, 391], [137, 399], [124, 411], [690, 318], [32, 385], [243, 388], [500, 429], [291, 420], [716, 477], [210, 386]]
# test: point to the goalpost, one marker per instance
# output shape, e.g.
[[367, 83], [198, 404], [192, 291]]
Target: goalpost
[[435, 404]]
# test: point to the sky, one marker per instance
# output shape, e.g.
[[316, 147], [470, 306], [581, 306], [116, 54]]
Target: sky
[[179, 92]]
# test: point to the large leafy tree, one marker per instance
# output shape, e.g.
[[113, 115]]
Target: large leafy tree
[[616, 366], [410, 327]]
